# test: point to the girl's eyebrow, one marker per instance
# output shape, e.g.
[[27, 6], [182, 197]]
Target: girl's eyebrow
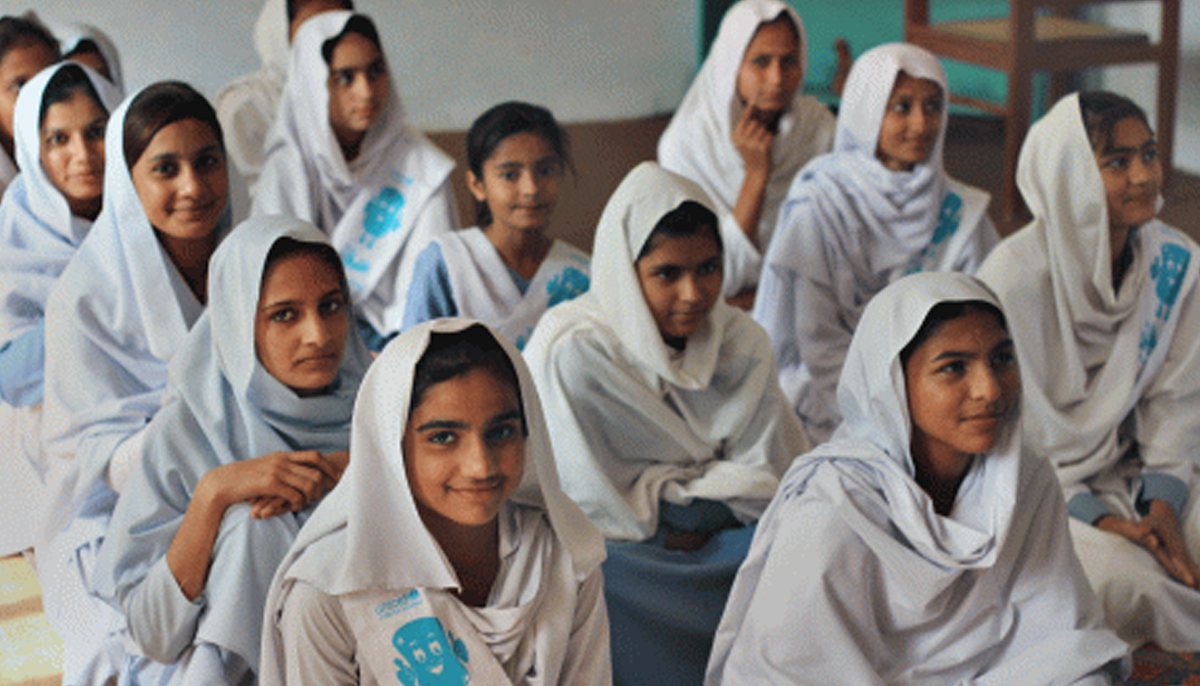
[[441, 424], [505, 417]]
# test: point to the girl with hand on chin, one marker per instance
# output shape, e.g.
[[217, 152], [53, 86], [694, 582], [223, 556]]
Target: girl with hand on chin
[[508, 271], [448, 553], [257, 431], [876, 208], [922, 544], [744, 129], [115, 317], [1110, 338], [669, 426], [342, 157]]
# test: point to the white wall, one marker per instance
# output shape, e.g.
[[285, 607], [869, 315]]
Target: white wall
[[586, 60], [1140, 83]]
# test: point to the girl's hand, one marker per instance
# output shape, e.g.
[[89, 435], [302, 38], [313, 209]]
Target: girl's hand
[[1158, 532], [264, 507], [753, 142], [295, 478]]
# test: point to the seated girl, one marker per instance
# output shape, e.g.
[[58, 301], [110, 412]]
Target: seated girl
[[921, 545], [509, 271], [744, 129], [257, 430], [342, 157], [46, 212], [1110, 343], [26, 48], [878, 207], [120, 310], [669, 426], [448, 553]]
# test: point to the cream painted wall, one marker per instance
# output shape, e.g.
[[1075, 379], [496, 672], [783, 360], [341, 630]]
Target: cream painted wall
[[586, 60]]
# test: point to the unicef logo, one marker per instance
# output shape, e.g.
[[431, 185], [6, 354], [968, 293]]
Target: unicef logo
[[429, 656]]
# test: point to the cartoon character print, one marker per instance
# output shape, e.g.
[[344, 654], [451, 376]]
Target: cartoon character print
[[429, 656], [382, 216], [949, 217], [1167, 271], [568, 284]]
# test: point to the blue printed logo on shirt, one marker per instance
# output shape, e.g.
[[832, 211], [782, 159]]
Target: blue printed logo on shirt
[[382, 216], [429, 656], [569, 284], [949, 217], [1167, 271]]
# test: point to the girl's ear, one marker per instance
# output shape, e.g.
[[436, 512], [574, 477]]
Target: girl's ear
[[475, 185]]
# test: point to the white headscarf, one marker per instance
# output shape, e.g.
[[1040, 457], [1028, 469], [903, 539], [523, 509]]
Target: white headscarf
[[706, 422], [991, 593], [698, 143], [226, 408], [38, 233], [1093, 354], [368, 207], [71, 34], [367, 538], [117, 315]]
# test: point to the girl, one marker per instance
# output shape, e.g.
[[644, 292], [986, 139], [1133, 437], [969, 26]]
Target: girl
[[120, 310], [878, 207], [46, 212], [26, 48], [921, 544], [508, 272], [1110, 339], [257, 431], [668, 422], [341, 156], [744, 129], [447, 554]]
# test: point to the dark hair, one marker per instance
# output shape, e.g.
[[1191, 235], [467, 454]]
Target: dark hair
[[689, 219], [945, 312], [63, 86], [295, 6], [1102, 111], [87, 46], [451, 355], [360, 24], [786, 19], [287, 246], [15, 31], [500, 122], [159, 106]]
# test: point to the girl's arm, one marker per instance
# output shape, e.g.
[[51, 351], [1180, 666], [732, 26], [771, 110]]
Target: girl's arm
[[318, 644], [297, 478], [753, 142], [588, 659]]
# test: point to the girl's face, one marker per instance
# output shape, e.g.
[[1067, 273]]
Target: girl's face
[[464, 449], [181, 180], [1132, 174], [911, 123], [302, 322], [22, 63], [520, 182], [72, 152], [770, 71], [358, 87], [681, 281], [962, 387]]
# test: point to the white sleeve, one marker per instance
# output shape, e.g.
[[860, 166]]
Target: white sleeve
[[318, 644], [588, 659], [124, 460], [161, 619]]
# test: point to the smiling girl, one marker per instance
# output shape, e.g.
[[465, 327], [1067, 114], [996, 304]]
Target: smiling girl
[[120, 310], [745, 128], [508, 271], [447, 554], [342, 157], [921, 544], [876, 208], [45, 215], [668, 423], [1111, 340], [257, 431]]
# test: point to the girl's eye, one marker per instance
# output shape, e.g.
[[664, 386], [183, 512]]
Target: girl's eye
[[56, 139], [165, 169], [761, 61], [1003, 360], [96, 132], [1150, 154], [550, 169], [901, 107], [510, 174], [442, 437], [207, 162], [283, 316], [377, 69], [790, 62], [933, 106], [709, 268], [501, 433], [342, 78], [953, 367], [668, 273], [332, 306], [1117, 163]]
